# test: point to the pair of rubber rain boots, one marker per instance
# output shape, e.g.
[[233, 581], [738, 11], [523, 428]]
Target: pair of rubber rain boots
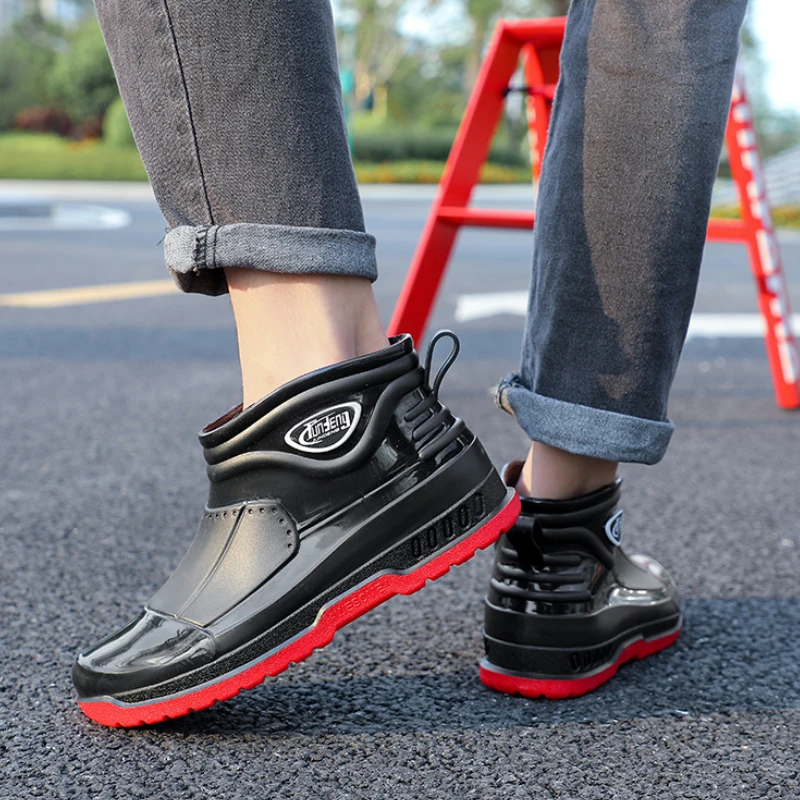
[[342, 489]]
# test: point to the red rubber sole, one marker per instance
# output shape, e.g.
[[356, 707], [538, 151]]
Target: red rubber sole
[[563, 688], [336, 616]]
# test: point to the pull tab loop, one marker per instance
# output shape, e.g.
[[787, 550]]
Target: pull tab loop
[[448, 362]]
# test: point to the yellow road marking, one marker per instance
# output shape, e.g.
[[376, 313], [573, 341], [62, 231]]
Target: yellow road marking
[[81, 295]]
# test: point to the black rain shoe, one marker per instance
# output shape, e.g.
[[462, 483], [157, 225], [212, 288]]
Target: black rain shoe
[[334, 493], [567, 606]]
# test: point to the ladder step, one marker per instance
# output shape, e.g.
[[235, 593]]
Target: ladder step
[[727, 230], [486, 217], [547, 90], [719, 230]]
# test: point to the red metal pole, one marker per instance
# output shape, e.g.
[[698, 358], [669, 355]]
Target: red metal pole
[[765, 254], [541, 40], [541, 63], [469, 151]]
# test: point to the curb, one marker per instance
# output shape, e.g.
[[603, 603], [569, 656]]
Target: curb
[[136, 191], [111, 191], [75, 190]]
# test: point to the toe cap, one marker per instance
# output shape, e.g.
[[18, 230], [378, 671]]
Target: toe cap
[[150, 649]]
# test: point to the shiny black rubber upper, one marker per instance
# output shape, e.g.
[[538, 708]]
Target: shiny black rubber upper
[[287, 530], [561, 586]]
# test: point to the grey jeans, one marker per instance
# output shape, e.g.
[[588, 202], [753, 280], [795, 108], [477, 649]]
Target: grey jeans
[[623, 205], [236, 109]]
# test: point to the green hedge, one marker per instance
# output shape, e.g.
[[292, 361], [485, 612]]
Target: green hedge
[[378, 147], [782, 216], [49, 157], [431, 172], [116, 128]]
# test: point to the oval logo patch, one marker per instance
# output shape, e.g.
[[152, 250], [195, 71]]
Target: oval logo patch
[[614, 528], [326, 430]]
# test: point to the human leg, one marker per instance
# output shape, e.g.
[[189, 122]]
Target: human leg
[[269, 198], [237, 112], [328, 318], [623, 206], [622, 213], [348, 482], [559, 475]]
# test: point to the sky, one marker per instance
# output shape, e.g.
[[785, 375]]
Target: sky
[[777, 25], [776, 22]]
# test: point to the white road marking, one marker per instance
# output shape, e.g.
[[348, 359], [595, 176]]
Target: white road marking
[[83, 295], [79, 191], [68, 217], [492, 304], [471, 307], [734, 326]]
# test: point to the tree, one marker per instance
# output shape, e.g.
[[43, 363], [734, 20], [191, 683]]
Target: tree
[[84, 8], [372, 47], [82, 80], [776, 129], [27, 52], [378, 47], [426, 90], [483, 15]]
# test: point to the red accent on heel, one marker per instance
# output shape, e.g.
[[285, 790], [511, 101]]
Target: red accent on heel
[[560, 689]]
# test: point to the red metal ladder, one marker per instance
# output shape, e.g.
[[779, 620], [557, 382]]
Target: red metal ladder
[[538, 43]]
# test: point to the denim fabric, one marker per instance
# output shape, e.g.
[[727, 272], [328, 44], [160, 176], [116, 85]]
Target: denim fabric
[[623, 205], [277, 248], [236, 109]]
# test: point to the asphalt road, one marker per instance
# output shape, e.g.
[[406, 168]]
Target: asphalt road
[[102, 483]]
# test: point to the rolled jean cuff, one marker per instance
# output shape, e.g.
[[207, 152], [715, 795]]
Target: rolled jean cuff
[[584, 430], [196, 255]]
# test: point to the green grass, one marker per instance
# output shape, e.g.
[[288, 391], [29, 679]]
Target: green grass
[[48, 157], [431, 172], [782, 216]]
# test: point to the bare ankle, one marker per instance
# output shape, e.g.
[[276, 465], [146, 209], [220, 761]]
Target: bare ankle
[[553, 474], [288, 325]]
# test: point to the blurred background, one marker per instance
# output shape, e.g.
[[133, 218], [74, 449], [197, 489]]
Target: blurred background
[[407, 68]]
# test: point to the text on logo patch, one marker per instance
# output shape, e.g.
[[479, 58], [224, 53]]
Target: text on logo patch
[[326, 430]]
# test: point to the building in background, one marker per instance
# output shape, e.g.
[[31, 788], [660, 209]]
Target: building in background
[[9, 11], [63, 11]]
